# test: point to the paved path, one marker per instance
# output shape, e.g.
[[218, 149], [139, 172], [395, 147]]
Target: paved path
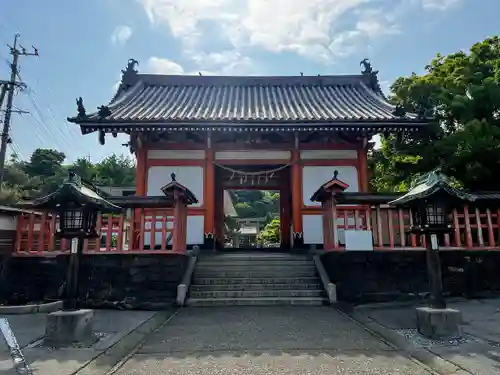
[[30, 328], [478, 352], [267, 341]]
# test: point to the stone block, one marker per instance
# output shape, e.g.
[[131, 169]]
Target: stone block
[[64, 328], [439, 323]]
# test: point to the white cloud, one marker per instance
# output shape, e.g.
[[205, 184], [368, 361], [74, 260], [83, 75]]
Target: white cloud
[[121, 34], [439, 4], [224, 63], [158, 65], [315, 28], [320, 30]]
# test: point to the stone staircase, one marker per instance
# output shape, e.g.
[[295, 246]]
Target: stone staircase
[[255, 278]]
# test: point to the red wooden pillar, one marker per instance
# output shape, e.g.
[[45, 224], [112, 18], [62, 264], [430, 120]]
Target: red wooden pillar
[[297, 199], [363, 166], [209, 192], [180, 225], [285, 210], [328, 237], [326, 195], [141, 177]]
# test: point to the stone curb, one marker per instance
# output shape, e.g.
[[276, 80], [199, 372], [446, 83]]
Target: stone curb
[[390, 305], [113, 357], [31, 309], [426, 357]]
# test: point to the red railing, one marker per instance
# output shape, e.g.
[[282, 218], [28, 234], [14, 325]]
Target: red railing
[[144, 230], [473, 228], [140, 230]]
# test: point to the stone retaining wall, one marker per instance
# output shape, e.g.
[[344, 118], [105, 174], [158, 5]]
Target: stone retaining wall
[[122, 281], [371, 276]]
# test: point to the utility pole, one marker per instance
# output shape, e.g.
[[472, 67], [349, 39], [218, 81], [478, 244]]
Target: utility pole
[[11, 86]]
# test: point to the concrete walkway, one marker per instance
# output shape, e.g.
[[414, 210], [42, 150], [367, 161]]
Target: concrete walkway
[[266, 341], [118, 333], [477, 352]]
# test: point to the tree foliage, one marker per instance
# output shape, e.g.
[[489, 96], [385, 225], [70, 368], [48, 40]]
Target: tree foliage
[[462, 93], [45, 171], [256, 203], [271, 232]]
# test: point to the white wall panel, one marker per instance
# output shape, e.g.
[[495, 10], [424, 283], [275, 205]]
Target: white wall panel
[[315, 176], [194, 232], [253, 155], [191, 177], [195, 226], [158, 234], [328, 154], [176, 154], [313, 229], [8, 222]]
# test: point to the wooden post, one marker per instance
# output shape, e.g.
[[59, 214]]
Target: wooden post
[[180, 224], [327, 225]]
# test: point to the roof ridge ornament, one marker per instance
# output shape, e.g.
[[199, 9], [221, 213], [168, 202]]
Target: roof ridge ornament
[[129, 76], [73, 178], [399, 110], [371, 74], [82, 113], [103, 111]]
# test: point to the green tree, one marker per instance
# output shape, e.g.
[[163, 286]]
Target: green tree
[[271, 232], [462, 92], [116, 170], [44, 171], [85, 169]]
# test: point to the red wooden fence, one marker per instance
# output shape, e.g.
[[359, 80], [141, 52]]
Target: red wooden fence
[[473, 229], [141, 230], [151, 231]]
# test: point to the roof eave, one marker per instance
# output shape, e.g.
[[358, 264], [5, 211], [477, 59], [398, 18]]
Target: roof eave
[[93, 126]]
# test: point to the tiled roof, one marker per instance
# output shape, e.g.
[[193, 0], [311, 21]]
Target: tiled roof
[[216, 100]]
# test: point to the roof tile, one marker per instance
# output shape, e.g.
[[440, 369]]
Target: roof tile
[[210, 99]]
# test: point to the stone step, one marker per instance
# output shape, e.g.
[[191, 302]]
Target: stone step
[[257, 293], [197, 280], [254, 273], [254, 263], [259, 286], [253, 256], [269, 301]]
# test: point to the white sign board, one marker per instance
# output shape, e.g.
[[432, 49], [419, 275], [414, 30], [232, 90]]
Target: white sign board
[[358, 240]]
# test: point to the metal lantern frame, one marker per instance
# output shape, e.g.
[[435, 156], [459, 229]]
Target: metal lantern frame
[[77, 204], [431, 214], [77, 220]]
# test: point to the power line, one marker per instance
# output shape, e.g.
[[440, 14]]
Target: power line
[[11, 85]]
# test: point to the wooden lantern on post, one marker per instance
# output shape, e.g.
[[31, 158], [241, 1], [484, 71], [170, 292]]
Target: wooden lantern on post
[[77, 205], [431, 201]]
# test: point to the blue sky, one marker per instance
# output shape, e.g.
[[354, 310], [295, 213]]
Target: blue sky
[[84, 44]]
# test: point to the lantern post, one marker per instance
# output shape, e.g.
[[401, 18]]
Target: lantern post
[[77, 204], [431, 201]]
